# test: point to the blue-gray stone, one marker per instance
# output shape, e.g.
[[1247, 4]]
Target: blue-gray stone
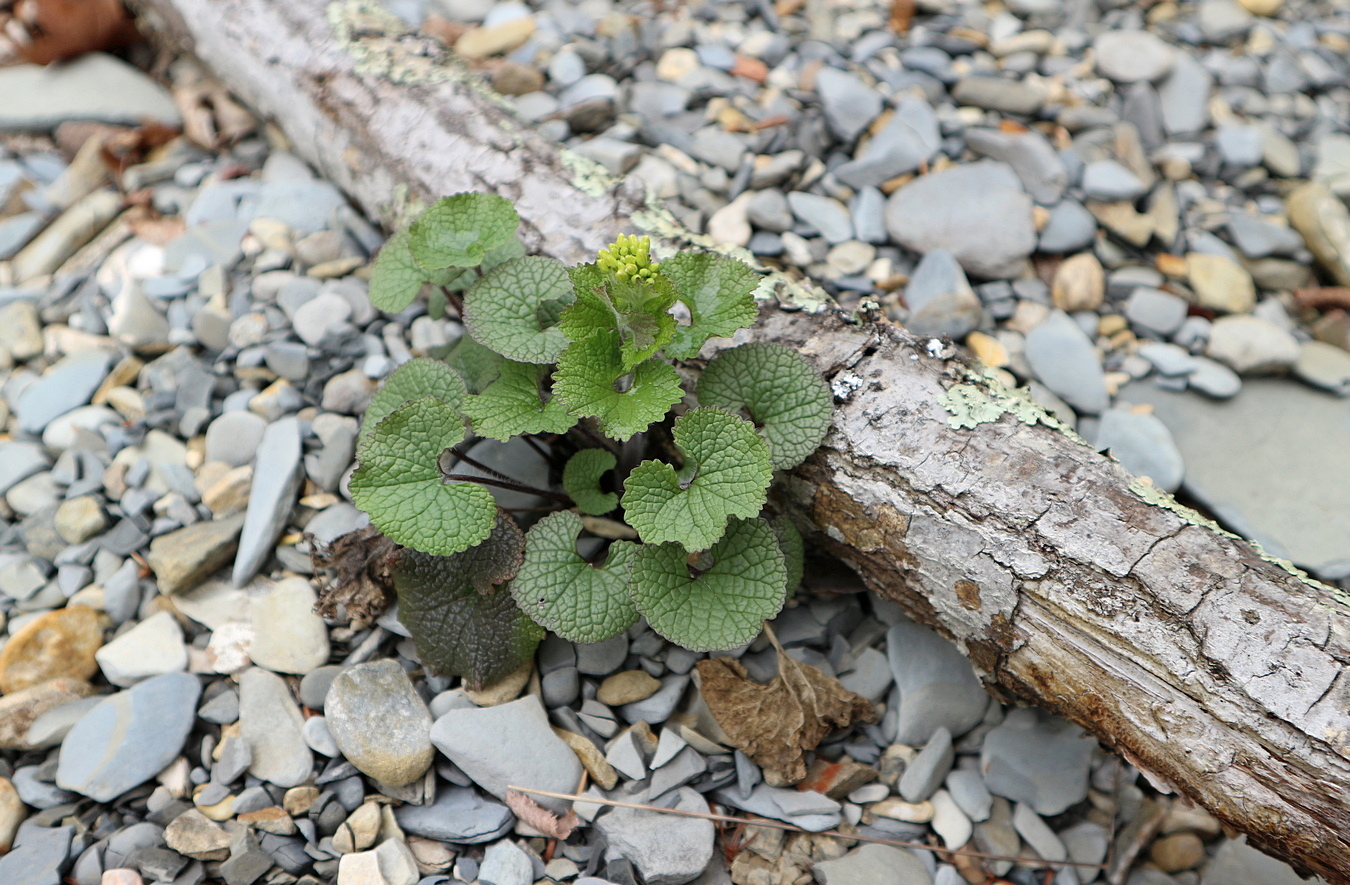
[[850, 104], [1070, 228], [940, 299], [907, 142], [657, 708], [277, 475], [20, 460], [1109, 181], [936, 684], [129, 737], [459, 815], [666, 850], [38, 857], [926, 772], [1037, 758], [1143, 445], [1031, 156], [65, 386], [1065, 360], [828, 216]]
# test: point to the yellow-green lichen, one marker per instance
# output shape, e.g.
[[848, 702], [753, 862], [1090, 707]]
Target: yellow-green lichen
[[985, 399], [374, 39]]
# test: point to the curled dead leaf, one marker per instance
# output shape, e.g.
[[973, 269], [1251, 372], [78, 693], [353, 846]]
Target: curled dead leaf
[[777, 723], [535, 816], [362, 585]]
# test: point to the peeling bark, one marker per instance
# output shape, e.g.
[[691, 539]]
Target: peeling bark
[[1066, 581]]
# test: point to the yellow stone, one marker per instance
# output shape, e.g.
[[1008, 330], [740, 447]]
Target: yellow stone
[[627, 687], [508, 688], [496, 40], [987, 349], [59, 644], [1261, 7], [898, 809], [591, 758], [1220, 284], [1079, 284]]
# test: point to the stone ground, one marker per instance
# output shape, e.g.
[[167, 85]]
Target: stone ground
[[1139, 213]]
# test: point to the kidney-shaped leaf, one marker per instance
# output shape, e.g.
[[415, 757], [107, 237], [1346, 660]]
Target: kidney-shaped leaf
[[459, 231], [413, 380], [513, 309]]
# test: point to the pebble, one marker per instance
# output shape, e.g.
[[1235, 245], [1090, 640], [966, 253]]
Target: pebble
[[66, 385], [129, 737], [1127, 56], [182, 559], [1324, 222], [1154, 311], [1079, 284], [937, 686], [504, 863], [1236, 861], [380, 723], [271, 724], [38, 854], [940, 300], [978, 212], [828, 216], [276, 480], [1220, 284], [233, 438], [458, 814], [1036, 162], [850, 106], [626, 688], [1252, 346], [508, 744], [949, 821], [94, 86], [288, 637], [1039, 759], [907, 142], [22, 709], [1143, 445], [1038, 834], [665, 850], [60, 644], [926, 772], [1325, 366], [1108, 181], [1064, 360], [151, 648], [871, 864]]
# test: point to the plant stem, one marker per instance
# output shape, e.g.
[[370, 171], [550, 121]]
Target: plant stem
[[508, 485]]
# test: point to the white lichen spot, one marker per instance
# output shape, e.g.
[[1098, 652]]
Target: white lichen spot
[[844, 385], [938, 349]]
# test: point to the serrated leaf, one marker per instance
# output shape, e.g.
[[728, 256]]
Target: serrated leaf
[[718, 291], [777, 723], [793, 547], [413, 380], [564, 592], [726, 473], [395, 277], [513, 405], [725, 606], [637, 310], [585, 378], [461, 626], [581, 480], [514, 307], [477, 365], [399, 482], [787, 399], [459, 231]]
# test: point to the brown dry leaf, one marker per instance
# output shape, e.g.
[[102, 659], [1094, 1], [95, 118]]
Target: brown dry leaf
[[533, 815], [777, 723], [54, 30], [902, 16], [362, 584]]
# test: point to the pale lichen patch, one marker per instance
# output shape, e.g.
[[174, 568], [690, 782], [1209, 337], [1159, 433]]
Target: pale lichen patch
[[374, 38]]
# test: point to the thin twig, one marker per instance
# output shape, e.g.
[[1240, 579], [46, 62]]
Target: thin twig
[[778, 825]]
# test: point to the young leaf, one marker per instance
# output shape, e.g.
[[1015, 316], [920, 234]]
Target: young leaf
[[395, 278], [460, 629], [730, 475], [459, 231], [477, 365], [581, 480], [721, 608], [586, 376], [637, 309], [512, 405], [719, 294], [786, 398], [793, 547], [413, 380], [514, 307], [399, 482], [564, 592]]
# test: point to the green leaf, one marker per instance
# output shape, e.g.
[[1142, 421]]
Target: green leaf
[[459, 231], [413, 380], [719, 294], [726, 473], [564, 592], [785, 397], [586, 376], [395, 277], [793, 547], [723, 607], [581, 480], [477, 365], [512, 405], [399, 482], [461, 626], [638, 310], [513, 309]]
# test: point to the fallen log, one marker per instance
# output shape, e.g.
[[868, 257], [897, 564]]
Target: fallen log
[[1066, 581]]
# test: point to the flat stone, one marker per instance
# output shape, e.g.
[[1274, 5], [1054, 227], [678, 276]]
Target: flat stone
[[234, 438], [21, 330], [977, 212], [39, 853], [1065, 360], [872, 864], [1039, 759], [504, 863], [60, 644], [905, 143], [129, 737], [940, 300], [850, 105], [1031, 156], [1324, 365], [93, 86], [1244, 476], [1000, 94], [69, 383], [389, 863], [627, 687], [1143, 445], [665, 850], [1133, 56], [20, 460], [602, 658], [811, 811], [1252, 346], [1220, 284], [937, 685], [508, 744], [1213, 379], [1079, 283], [380, 723], [1236, 861], [192, 834], [828, 216], [288, 637], [1324, 222], [926, 772], [967, 789], [459, 814], [1108, 181], [1154, 310], [658, 708], [1037, 833], [22, 709], [184, 558], [151, 648], [870, 677], [949, 821], [277, 476], [271, 724], [1184, 97]]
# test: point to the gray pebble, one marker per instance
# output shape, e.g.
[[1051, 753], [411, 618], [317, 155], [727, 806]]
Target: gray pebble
[[1065, 361], [1143, 445], [929, 768]]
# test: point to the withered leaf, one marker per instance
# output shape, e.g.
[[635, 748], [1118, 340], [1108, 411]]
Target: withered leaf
[[540, 818], [362, 585], [777, 723]]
